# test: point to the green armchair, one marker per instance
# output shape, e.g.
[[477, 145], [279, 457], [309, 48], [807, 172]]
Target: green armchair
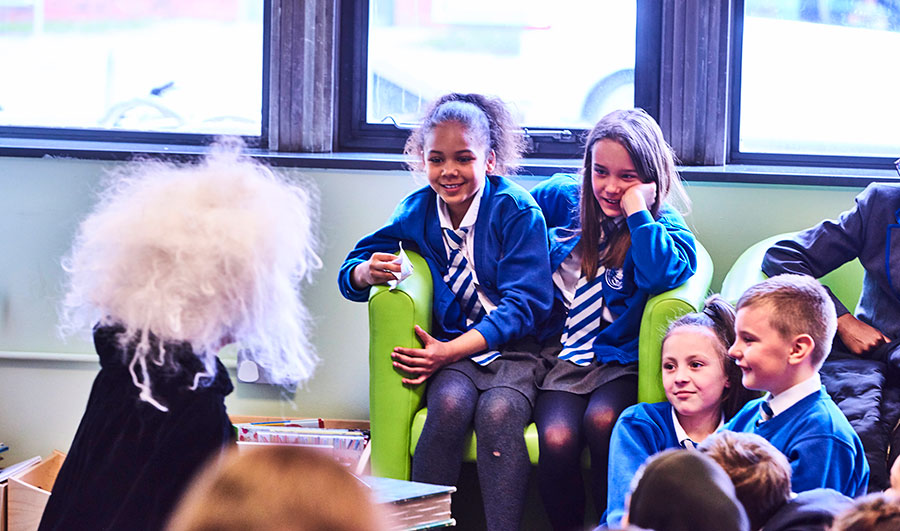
[[845, 282], [395, 410]]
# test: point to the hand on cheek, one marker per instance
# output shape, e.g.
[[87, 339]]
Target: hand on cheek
[[639, 197]]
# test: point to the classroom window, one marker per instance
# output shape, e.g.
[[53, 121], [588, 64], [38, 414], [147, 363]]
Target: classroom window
[[560, 65], [127, 67], [817, 82]]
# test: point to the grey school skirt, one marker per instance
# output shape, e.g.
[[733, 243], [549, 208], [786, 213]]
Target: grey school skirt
[[562, 375], [514, 369]]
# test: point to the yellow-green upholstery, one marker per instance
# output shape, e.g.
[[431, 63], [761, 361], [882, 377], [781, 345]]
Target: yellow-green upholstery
[[845, 282], [395, 409]]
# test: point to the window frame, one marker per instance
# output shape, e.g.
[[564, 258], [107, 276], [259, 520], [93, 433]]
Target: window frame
[[354, 133], [116, 137], [736, 156]]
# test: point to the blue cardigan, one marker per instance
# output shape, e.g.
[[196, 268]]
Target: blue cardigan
[[641, 431], [817, 439], [510, 255], [662, 256]]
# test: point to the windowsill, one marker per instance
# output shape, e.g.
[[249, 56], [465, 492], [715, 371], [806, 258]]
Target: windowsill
[[730, 173]]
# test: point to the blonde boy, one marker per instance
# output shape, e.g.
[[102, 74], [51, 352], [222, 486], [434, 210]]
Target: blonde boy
[[784, 329]]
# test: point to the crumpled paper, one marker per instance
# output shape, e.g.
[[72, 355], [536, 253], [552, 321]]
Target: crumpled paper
[[406, 269]]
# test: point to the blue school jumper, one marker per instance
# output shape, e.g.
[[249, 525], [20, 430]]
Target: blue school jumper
[[817, 439], [641, 431], [510, 255], [662, 256]]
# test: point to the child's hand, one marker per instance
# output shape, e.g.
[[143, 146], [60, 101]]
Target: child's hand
[[423, 362], [639, 197], [859, 337], [376, 270]]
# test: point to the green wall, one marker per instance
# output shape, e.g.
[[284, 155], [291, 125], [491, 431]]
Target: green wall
[[42, 398]]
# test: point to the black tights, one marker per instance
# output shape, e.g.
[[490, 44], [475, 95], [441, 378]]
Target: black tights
[[500, 415], [564, 422]]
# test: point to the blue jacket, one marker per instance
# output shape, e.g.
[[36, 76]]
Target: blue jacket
[[641, 431], [510, 255], [818, 441], [869, 231], [662, 256]]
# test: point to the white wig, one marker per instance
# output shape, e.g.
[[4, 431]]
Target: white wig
[[208, 254]]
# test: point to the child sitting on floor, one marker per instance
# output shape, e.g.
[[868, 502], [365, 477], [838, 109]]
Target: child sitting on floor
[[784, 329]]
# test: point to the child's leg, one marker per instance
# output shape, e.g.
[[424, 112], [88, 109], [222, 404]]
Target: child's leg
[[451, 399], [503, 464], [558, 415], [606, 403]]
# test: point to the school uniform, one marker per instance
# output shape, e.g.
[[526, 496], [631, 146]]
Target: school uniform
[[810, 430], [641, 431], [508, 250], [662, 256]]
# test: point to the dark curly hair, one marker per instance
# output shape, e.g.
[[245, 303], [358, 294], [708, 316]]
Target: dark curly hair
[[488, 121]]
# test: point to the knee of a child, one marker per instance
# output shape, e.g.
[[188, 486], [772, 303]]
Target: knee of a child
[[600, 420], [448, 404], [558, 437], [502, 408]]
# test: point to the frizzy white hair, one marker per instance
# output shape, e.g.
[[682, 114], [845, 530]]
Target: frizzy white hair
[[206, 253]]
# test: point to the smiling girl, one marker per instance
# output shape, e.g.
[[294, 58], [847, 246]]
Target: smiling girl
[[485, 241], [703, 388], [621, 245]]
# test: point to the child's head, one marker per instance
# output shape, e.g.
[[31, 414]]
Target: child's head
[[684, 490], [760, 473], [698, 376], [288, 488], [876, 512], [784, 328], [204, 254], [462, 138], [626, 148]]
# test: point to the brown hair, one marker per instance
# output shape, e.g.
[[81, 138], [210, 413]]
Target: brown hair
[[718, 317], [487, 121], [876, 512], [760, 473], [797, 304], [653, 160], [288, 488]]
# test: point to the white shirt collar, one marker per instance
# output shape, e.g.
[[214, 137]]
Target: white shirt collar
[[471, 214], [791, 396], [682, 435]]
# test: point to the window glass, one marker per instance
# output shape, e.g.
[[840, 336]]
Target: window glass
[[820, 77], [560, 64], [182, 66]]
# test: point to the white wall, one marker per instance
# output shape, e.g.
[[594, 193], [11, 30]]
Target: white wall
[[41, 201]]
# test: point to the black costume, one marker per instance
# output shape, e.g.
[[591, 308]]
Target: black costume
[[130, 462]]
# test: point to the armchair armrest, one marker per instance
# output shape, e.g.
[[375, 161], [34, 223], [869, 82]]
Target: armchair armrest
[[392, 405], [661, 310]]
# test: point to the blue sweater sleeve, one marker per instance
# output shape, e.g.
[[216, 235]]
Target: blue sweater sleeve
[[634, 439], [523, 278], [384, 240], [664, 252], [820, 249], [558, 198]]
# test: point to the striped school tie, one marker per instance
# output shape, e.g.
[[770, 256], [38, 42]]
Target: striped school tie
[[765, 412], [584, 320], [461, 282]]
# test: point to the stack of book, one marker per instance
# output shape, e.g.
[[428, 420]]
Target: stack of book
[[349, 447], [412, 505]]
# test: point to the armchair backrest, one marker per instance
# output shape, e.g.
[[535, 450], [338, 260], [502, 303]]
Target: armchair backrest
[[845, 281]]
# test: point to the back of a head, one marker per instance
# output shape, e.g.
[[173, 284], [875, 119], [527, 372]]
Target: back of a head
[[680, 490], [760, 473], [876, 512], [796, 305], [284, 488]]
